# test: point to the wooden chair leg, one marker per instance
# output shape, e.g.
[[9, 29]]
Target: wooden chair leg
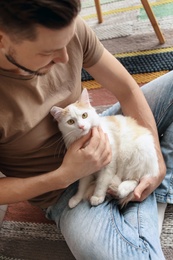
[[99, 11], [153, 21]]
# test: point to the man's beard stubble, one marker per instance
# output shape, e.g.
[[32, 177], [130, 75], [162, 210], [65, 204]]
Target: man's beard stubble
[[30, 72]]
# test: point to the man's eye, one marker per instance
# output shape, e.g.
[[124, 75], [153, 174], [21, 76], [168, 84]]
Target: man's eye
[[70, 122], [84, 115], [46, 54]]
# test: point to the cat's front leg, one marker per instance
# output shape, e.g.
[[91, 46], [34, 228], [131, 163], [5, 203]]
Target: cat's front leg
[[82, 189], [103, 180], [96, 200], [113, 187]]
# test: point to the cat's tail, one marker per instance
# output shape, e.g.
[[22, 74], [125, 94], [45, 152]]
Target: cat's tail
[[113, 193], [124, 201], [123, 192]]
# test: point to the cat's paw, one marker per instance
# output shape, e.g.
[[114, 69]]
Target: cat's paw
[[73, 202], [95, 201]]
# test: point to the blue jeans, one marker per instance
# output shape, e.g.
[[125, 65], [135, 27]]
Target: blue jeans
[[107, 233]]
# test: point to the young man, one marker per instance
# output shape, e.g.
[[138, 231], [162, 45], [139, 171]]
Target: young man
[[43, 46]]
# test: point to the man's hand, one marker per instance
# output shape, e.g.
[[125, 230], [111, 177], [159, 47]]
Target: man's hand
[[145, 187], [148, 185], [87, 155]]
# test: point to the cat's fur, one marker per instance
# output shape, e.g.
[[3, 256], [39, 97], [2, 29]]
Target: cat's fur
[[133, 151]]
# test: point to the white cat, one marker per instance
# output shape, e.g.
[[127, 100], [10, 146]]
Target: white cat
[[133, 151]]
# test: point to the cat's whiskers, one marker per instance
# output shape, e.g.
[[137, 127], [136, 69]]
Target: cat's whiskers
[[61, 148], [50, 145], [68, 137], [61, 141]]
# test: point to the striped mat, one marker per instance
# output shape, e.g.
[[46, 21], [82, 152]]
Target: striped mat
[[127, 33], [26, 235]]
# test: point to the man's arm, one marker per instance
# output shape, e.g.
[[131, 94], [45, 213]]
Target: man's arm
[[111, 74], [79, 161]]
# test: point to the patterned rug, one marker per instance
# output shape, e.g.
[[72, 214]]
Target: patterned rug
[[126, 32], [26, 234], [124, 18]]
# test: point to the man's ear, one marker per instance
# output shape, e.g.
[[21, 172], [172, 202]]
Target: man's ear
[[3, 39]]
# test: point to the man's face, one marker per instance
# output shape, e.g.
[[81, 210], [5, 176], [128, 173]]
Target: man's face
[[37, 57]]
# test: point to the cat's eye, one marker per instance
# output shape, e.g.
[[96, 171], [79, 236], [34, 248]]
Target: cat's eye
[[84, 115], [70, 122]]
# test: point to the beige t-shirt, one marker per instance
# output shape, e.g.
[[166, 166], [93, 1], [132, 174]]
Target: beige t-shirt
[[29, 137]]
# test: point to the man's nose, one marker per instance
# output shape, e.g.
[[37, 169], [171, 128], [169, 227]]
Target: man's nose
[[61, 56]]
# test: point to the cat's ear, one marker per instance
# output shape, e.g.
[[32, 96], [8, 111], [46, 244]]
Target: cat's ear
[[56, 112], [84, 98]]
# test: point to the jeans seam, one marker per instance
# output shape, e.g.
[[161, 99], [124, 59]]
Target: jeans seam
[[163, 114], [122, 237]]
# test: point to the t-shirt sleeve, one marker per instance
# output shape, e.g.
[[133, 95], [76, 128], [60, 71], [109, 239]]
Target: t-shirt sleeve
[[92, 47]]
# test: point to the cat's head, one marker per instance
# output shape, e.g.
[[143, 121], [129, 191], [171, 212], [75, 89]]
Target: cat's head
[[76, 119]]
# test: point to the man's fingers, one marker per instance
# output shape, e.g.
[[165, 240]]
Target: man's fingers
[[141, 190], [81, 142]]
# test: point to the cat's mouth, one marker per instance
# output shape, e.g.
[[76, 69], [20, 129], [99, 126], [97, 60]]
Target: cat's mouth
[[84, 131]]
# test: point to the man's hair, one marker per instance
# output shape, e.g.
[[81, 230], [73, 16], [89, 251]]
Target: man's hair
[[19, 18]]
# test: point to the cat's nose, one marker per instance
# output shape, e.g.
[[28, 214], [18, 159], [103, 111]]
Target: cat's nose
[[81, 127]]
